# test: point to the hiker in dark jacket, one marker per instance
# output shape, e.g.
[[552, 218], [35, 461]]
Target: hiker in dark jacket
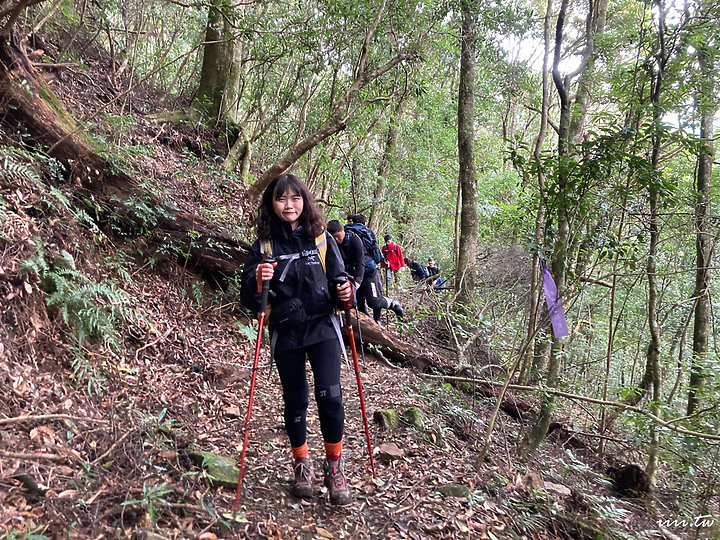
[[360, 265], [435, 280], [418, 271], [302, 298], [362, 220]]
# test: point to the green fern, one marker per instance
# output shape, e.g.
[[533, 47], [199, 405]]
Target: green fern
[[38, 264], [94, 311], [88, 373], [17, 171], [78, 213]]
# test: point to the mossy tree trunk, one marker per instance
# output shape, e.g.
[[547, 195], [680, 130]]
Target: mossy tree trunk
[[219, 89]]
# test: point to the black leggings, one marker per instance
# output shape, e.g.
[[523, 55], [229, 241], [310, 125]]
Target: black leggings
[[325, 363], [371, 291]]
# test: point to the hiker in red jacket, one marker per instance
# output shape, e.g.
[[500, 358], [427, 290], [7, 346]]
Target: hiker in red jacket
[[394, 260]]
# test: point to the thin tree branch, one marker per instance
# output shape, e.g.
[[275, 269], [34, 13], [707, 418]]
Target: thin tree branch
[[669, 424]]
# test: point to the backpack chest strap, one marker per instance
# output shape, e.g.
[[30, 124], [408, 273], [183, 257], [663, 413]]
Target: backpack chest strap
[[293, 257], [320, 250]]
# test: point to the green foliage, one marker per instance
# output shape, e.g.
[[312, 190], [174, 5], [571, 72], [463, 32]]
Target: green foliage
[[143, 212], [30, 532], [88, 372], [153, 496], [197, 292], [118, 263], [14, 171], [92, 310]]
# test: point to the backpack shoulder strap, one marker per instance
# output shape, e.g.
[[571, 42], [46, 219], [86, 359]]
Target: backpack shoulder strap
[[321, 243], [266, 248]]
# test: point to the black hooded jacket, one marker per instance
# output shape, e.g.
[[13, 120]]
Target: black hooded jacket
[[304, 280]]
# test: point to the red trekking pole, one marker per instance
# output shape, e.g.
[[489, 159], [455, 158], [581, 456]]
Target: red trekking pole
[[347, 306], [264, 288]]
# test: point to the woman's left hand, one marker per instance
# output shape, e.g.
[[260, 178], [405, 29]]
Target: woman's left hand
[[344, 292]]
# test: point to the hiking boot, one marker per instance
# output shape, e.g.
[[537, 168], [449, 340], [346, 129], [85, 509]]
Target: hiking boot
[[335, 482], [302, 486], [395, 306]]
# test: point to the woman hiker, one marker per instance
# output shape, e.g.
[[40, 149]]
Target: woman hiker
[[305, 287]]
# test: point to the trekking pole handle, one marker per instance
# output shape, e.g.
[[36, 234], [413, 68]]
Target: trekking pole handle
[[347, 304], [263, 286], [265, 293]]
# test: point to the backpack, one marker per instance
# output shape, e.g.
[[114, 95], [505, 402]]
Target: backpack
[[368, 240], [321, 252], [424, 270]]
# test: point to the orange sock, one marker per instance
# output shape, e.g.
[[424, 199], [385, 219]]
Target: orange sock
[[300, 452], [333, 451]]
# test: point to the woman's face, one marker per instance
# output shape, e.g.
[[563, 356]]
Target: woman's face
[[288, 207]]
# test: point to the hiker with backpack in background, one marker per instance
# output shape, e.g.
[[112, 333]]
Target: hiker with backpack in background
[[358, 222], [361, 265], [434, 279], [418, 271], [394, 260], [303, 297]]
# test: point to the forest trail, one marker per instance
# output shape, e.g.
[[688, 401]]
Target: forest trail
[[116, 460], [124, 457]]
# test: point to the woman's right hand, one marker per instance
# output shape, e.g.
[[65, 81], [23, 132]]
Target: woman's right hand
[[264, 272]]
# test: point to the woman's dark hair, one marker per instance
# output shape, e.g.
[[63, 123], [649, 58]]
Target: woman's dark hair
[[311, 218]]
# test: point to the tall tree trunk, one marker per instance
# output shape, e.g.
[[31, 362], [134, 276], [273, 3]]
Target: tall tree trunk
[[465, 271], [612, 325], [652, 367], [386, 165], [539, 430], [218, 91], [596, 25], [653, 351], [707, 106]]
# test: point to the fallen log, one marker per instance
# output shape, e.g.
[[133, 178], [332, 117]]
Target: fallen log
[[511, 405], [396, 349], [27, 100]]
